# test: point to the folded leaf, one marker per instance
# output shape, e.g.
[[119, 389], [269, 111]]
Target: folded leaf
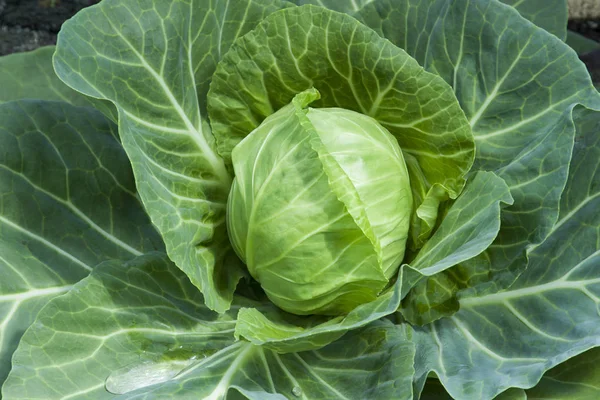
[[275, 329], [574, 379], [468, 228]]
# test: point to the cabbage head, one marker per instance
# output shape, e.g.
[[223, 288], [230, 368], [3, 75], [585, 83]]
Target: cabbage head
[[315, 190]]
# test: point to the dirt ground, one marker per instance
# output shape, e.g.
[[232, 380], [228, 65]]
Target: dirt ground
[[588, 28], [28, 24]]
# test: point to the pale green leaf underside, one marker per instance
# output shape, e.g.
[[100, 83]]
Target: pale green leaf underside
[[145, 316], [553, 304], [154, 61], [67, 202], [517, 85], [471, 224]]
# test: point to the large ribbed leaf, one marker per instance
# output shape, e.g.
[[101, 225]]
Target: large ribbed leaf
[[141, 330], [67, 202], [511, 337], [154, 61], [548, 14], [518, 85]]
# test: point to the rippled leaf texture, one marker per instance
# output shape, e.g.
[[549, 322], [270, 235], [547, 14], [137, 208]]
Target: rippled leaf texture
[[352, 68], [468, 228], [550, 15], [575, 379], [154, 61], [145, 327], [67, 202], [517, 85], [511, 337]]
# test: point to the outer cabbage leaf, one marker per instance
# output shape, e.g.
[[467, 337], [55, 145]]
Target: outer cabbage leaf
[[154, 61], [31, 75], [142, 330], [517, 85], [575, 379], [346, 62], [551, 311], [67, 202], [550, 15]]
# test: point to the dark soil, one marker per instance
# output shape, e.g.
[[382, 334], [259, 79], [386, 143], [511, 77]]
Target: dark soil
[[28, 24], [587, 28], [591, 30]]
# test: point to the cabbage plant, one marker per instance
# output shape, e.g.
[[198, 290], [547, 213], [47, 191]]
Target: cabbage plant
[[261, 199]]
